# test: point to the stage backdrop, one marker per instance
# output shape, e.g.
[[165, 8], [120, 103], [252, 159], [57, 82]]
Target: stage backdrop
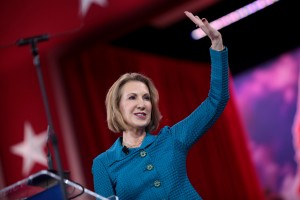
[[219, 165], [269, 102], [23, 123]]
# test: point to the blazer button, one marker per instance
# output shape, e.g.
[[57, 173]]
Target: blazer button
[[149, 167], [157, 183], [143, 153]]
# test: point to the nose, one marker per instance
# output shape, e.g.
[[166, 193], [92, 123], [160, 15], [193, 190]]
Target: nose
[[141, 104]]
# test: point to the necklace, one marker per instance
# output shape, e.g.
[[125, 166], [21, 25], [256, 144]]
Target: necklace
[[137, 143]]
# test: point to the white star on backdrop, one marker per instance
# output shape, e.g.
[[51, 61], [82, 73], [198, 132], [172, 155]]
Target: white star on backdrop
[[31, 149], [85, 5]]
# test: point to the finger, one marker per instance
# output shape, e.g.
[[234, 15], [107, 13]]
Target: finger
[[195, 19], [203, 25], [208, 26], [199, 21], [205, 22]]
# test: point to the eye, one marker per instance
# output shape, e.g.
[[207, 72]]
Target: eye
[[131, 97], [147, 97]]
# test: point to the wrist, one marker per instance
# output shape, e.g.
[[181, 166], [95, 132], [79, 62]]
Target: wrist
[[218, 46]]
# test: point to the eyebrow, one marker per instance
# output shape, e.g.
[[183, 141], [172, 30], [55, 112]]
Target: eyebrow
[[133, 93]]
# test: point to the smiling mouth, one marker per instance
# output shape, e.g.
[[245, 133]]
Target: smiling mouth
[[141, 115]]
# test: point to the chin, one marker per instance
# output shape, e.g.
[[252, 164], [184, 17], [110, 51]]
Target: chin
[[141, 126]]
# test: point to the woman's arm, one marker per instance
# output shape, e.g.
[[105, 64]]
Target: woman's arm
[[102, 183], [190, 129]]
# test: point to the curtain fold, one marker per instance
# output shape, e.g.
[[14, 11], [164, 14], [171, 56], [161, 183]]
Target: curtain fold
[[219, 164]]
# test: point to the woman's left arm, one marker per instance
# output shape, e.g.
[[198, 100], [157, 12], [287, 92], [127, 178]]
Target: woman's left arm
[[189, 130]]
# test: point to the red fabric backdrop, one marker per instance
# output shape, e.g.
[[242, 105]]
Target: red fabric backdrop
[[219, 165]]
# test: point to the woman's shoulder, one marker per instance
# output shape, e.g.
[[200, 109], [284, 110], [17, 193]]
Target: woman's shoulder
[[101, 157], [107, 153]]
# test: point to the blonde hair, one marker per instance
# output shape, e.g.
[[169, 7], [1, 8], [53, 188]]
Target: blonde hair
[[115, 120]]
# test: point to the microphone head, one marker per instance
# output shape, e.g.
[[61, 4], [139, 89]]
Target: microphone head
[[125, 150]]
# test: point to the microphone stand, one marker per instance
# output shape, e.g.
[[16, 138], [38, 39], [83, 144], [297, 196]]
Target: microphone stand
[[32, 41]]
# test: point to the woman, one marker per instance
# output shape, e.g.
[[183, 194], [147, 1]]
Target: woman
[[140, 165]]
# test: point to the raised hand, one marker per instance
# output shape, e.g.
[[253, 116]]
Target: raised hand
[[213, 34]]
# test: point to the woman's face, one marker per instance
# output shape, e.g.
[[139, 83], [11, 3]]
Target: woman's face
[[135, 105]]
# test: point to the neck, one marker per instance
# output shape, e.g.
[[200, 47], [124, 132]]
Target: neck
[[133, 140]]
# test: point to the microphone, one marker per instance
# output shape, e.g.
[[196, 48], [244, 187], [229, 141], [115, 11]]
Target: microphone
[[125, 150], [38, 38]]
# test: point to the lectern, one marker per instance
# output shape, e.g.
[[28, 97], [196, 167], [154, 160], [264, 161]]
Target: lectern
[[45, 185]]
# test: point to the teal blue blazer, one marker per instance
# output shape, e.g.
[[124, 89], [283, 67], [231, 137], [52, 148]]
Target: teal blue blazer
[[157, 169]]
